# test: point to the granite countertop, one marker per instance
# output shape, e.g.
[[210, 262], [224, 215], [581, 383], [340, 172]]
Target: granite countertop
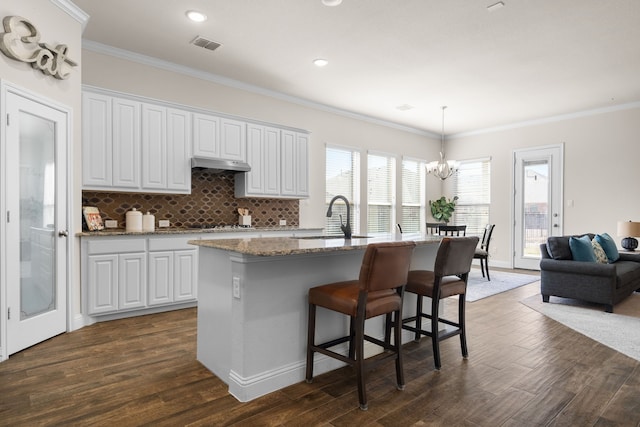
[[277, 246], [185, 230]]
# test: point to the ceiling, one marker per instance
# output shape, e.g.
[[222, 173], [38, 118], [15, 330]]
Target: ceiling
[[525, 61]]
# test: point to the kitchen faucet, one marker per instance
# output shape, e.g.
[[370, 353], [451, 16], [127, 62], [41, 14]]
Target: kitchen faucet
[[346, 228]]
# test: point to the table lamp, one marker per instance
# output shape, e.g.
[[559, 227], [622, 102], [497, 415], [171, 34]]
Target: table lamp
[[629, 229]]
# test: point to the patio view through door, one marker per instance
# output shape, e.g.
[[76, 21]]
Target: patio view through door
[[35, 245], [537, 202]]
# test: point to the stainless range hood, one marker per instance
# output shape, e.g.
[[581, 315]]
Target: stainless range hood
[[219, 165]]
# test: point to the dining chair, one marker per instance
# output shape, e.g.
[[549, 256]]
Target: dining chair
[[448, 278], [452, 230], [433, 227], [482, 253], [378, 291]]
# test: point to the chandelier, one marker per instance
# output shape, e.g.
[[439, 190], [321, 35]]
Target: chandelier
[[442, 169]]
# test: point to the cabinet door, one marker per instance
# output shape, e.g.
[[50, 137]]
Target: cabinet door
[[185, 275], [233, 144], [206, 135], [126, 143], [179, 149], [288, 181], [97, 147], [154, 147], [102, 283], [302, 165], [132, 281], [161, 277], [271, 174], [254, 179]]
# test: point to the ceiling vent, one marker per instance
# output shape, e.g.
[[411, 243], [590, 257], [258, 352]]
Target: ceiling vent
[[205, 43]]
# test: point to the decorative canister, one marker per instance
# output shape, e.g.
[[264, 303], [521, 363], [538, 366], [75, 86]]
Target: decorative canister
[[134, 220], [148, 222]]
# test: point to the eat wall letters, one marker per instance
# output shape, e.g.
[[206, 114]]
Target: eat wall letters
[[21, 41]]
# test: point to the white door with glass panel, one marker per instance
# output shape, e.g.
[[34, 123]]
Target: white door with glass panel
[[537, 203], [35, 248]]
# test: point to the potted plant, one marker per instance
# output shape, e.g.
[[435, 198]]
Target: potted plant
[[442, 209]]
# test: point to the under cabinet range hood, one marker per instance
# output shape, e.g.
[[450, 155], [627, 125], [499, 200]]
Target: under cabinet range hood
[[219, 165]]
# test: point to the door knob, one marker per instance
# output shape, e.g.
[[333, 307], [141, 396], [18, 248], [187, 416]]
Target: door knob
[[63, 233]]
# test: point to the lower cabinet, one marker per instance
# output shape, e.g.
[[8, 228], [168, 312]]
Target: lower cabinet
[[132, 273], [172, 276]]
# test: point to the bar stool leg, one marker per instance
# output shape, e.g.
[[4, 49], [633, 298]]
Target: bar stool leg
[[398, 349], [418, 317], [463, 328], [311, 332], [435, 339], [359, 364]]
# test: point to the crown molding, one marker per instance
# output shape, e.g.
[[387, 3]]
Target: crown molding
[[551, 119], [225, 81], [73, 11]]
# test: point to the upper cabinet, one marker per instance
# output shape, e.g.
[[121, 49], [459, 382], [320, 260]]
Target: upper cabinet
[[219, 137], [295, 164], [134, 146], [279, 164]]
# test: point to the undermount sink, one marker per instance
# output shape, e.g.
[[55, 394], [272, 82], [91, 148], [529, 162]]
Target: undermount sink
[[330, 236]]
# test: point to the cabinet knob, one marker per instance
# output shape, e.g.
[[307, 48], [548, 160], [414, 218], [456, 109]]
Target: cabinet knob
[[63, 233]]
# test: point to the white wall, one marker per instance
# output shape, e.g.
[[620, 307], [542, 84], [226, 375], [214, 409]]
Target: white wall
[[601, 153]]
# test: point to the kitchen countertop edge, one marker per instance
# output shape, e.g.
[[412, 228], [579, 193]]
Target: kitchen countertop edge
[[179, 230]]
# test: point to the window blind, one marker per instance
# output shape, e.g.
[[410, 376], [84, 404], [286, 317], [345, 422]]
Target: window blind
[[381, 193], [342, 178], [472, 186], [413, 195]]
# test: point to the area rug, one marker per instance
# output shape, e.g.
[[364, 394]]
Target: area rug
[[479, 287], [619, 330]]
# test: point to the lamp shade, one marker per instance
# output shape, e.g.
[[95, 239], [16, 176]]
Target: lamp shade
[[628, 229]]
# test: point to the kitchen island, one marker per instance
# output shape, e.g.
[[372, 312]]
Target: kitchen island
[[252, 304]]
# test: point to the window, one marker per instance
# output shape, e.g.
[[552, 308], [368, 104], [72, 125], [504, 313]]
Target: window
[[342, 178], [381, 172], [472, 186], [413, 195]]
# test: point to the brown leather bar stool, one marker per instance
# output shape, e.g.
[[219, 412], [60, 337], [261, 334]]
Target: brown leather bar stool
[[448, 278], [378, 291]]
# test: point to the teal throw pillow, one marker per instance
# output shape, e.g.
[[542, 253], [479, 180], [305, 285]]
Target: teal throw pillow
[[601, 255], [609, 246], [581, 249]]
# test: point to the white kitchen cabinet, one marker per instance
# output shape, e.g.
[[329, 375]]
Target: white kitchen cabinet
[[295, 164], [206, 136], [97, 140], [179, 150], [154, 147], [263, 154], [126, 143], [135, 146], [233, 145], [165, 149], [219, 137], [111, 142], [132, 281], [173, 265], [116, 275]]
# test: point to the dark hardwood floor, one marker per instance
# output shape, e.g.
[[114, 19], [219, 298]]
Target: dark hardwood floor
[[524, 369]]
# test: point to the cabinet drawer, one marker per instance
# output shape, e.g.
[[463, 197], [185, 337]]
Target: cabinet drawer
[[172, 244], [116, 246]]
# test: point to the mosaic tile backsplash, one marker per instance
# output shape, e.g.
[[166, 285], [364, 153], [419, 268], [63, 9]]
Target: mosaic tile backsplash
[[211, 201]]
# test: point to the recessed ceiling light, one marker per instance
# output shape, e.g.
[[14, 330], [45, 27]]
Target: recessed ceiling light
[[196, 16], [320, 62], [404, 107], [331, 2]]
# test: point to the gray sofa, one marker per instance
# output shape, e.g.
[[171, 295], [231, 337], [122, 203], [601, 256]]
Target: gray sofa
[[606, 284]]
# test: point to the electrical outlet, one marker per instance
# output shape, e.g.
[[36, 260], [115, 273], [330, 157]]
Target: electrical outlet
[[236, 287], [163, 223], [111, 223], [283, 222]]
